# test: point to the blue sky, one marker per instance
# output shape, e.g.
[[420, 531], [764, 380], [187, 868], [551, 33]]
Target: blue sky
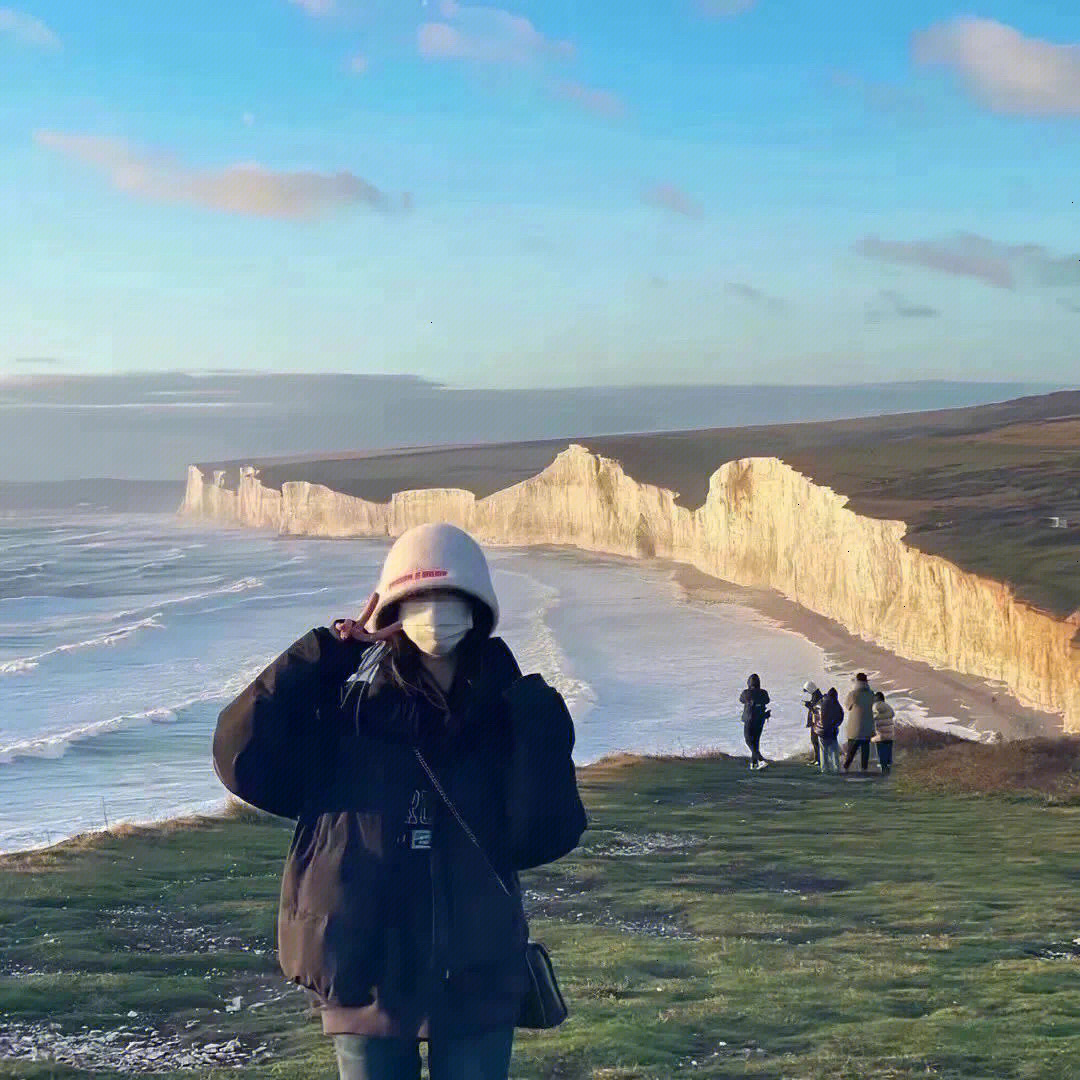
[[542, 192]]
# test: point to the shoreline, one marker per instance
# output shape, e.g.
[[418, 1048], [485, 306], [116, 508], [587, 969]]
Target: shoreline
[[958, 701]]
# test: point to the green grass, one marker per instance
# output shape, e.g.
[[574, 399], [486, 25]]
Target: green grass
[[817, 928]]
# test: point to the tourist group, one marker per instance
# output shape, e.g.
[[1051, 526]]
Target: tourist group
[[865, 719]]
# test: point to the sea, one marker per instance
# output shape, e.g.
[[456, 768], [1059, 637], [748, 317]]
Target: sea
[[123, 636]]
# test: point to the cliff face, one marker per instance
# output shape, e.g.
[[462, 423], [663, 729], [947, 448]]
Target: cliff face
[[763, 524]]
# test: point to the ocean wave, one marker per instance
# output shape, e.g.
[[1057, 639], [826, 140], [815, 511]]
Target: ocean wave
[[17, 667], [243, 585], [26, 570], [540, 649], [57, 744], [23, 664], [264, 597]]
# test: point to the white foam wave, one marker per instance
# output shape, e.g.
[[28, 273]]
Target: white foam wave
[[540, 649], [56, 744], [263, 597], [113, 637], [233, 587], [17, 667]]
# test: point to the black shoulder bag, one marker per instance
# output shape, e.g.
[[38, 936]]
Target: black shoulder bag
[[543, 1005]]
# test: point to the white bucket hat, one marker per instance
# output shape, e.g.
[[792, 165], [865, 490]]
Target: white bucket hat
[[434, 557], [809, 687]]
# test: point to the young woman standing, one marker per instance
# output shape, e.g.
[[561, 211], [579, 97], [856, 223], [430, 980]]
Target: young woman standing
[[754, 701], [400, 925]]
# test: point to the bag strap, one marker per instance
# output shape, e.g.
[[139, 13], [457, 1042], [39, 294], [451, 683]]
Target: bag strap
[[460, 820]]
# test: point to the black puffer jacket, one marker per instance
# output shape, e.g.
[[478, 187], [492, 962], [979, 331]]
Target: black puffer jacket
[[295, 744]]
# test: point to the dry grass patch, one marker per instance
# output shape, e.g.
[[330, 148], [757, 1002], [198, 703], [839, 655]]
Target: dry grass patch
[[942, 763]]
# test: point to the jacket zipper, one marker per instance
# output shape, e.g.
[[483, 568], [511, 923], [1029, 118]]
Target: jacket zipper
[[438, 951]]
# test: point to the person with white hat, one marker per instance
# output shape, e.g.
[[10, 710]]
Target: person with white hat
[[424, 772]]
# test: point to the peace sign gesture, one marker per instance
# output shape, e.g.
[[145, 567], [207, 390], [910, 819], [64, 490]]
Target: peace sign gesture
[[354, 629]]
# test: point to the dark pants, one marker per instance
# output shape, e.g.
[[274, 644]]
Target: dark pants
[[854, 745], [815, 742], [752, 730], [884, 755], [470, 1057]]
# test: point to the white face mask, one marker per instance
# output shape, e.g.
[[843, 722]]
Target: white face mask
[[436, 625]]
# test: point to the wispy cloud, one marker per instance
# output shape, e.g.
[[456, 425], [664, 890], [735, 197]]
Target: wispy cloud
[[358, 64], [246, 188], [670, 197], [592, 99], [889, 304], [487, 35], [316, 8], [38, 361], [753, 295], [493, 37], [725, 8], [1005, 266], [1001, 68], [27, 30]]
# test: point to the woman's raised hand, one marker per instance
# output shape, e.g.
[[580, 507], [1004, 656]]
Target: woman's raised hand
[[355, 629]]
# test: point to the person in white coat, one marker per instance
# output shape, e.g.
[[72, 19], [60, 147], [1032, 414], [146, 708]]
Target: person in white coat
[[884, 732]]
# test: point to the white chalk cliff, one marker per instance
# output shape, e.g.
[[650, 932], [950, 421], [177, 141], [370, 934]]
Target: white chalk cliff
[[763, 524]]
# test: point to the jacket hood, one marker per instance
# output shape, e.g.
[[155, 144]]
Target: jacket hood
[[754, 683], [438, 556]]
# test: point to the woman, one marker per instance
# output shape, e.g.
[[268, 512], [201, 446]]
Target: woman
[[827, 722], [859, 727], [884, 731], [754, 701], [401, 926]]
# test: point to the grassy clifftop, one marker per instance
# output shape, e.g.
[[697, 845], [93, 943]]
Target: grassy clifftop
[[716, 923]]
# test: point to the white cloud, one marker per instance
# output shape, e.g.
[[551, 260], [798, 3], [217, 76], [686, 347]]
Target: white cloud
[[27, 30], [246, 188], [487, 35], [492, 36], [1003, 69], [316, 8]]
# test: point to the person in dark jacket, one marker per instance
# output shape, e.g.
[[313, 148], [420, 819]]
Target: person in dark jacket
[[400, 925], [810, 703], [754, 714], [828, 720]]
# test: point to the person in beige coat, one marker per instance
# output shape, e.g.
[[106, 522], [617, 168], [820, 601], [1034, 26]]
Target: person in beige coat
[[859, 725], [884, 732]]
